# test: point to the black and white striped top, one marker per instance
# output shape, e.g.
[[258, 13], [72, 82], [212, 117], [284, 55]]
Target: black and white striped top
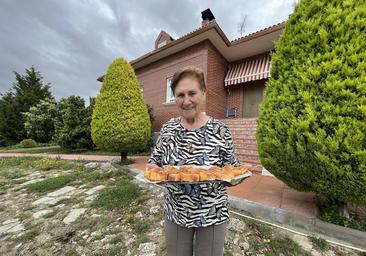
[[195, 205]]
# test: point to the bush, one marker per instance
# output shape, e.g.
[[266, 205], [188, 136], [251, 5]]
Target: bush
[[72, 125], [120, 120], [40, 119], [312, 121], [28, 143]]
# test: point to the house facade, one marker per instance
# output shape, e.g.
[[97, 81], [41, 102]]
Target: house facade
[[235, 72]]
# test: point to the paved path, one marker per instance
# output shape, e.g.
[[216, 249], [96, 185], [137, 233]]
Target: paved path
[[265, 190]]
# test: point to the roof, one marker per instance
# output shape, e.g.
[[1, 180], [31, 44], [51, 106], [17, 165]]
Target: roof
[[249, 45], [246, 46]]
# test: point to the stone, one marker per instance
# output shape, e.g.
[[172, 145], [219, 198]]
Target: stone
[[43, 238], [42, 200], [49, 200], [237, 225], [73, 215], [95, 189], [41, 213], [91, 165], [30, 182], [147, 249], [154, 210], [4, 229], [16, 228], [43, 252], [236, 240], [10, 221], [244, 246], [107, 167], [61, 191], [156, 233]]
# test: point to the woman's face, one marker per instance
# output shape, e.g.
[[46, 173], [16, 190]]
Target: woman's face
[[189, 97]]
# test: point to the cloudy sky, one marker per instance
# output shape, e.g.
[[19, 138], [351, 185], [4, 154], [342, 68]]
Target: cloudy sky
[[72, 42]]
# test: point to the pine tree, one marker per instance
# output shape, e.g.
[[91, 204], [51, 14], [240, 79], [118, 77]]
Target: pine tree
[[120, 120], [312, 123], [27, 91]]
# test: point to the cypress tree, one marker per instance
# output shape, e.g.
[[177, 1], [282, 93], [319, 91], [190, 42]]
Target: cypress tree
[[120, 121], [312, 122]]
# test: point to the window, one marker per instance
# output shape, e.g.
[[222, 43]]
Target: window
[[162, 43], [169, 91]]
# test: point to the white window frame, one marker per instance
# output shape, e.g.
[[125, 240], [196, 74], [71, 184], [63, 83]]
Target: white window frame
[[169, 97]]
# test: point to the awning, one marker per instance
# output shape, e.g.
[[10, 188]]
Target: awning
[[249, 70]]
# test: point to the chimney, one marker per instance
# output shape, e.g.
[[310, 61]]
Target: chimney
[[207, 16]]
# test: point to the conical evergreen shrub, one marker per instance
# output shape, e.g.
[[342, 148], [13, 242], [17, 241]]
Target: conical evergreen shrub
[[312, 122], [120, 120]]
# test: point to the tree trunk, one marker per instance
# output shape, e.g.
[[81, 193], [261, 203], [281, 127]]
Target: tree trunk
[[343, 210], [123, 157]]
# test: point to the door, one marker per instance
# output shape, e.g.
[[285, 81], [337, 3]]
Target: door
[[253, 95]]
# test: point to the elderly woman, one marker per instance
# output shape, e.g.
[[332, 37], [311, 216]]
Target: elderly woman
[[194, 139]]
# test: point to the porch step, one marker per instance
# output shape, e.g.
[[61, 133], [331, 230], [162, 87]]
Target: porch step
[[247, 151]]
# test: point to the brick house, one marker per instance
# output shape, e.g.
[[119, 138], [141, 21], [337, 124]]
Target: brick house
[[235, 72]]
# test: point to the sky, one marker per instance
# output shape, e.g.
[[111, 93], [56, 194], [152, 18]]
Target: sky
[[73, 42]]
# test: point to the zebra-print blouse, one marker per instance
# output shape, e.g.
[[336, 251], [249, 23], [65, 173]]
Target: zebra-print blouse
[[195, 205]]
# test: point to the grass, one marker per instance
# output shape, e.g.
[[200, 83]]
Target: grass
[[17, 167], [319, 243], [116, 250], [119, 196], [54, 149], [331, 214], [29, 235], [285, 246], [93, 224], [13, 174], [139, 227], [25, 162], [50, 184], [267, 241]]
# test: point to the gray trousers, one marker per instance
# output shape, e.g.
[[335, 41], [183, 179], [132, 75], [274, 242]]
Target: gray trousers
[[209, 240]]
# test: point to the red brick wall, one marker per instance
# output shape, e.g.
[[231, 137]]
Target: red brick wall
[[235, 99], [153, 78], [243, 131], [216, 92]]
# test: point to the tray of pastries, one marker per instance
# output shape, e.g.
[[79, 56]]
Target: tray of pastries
[[197, 174]]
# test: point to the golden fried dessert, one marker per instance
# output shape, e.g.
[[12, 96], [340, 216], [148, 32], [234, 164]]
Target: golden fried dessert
[[147, 173], [221, 175], [188, 173], [189, 176], [168, 169], [206, 175], [157, 175], [186, 168], [234, 170], [174, 176]]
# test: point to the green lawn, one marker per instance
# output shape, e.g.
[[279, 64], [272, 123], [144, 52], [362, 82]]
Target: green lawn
[[58, 150]]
